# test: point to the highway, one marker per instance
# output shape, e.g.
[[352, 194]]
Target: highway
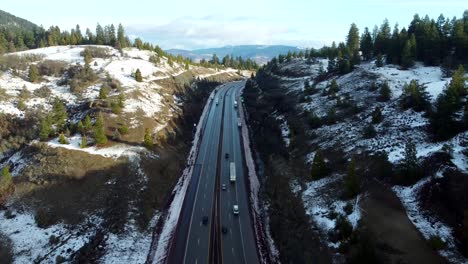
[[201, 241]]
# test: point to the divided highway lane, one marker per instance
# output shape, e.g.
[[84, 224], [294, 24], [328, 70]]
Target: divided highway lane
[[191, 244], [238, 244]]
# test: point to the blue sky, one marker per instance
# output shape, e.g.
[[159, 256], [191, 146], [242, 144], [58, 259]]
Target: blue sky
[[215, 23]]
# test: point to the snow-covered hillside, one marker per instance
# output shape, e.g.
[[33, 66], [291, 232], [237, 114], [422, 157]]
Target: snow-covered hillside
[[340, 122], [150, 104]]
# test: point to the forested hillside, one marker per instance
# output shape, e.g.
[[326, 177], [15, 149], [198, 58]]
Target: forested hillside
[[371, 137]]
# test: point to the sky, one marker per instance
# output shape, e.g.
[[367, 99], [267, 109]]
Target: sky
[[216, 23]]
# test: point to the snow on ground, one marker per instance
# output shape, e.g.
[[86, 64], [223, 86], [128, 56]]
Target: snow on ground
[[149, 101], [70, 54], [285, 132], [427, 225], [132, 246], [31, 242], [320, 203], [429, 76], [19, 162], [116, 151], [424, 149]]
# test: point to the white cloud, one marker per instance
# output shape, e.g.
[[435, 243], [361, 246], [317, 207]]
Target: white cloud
[[215, 31]]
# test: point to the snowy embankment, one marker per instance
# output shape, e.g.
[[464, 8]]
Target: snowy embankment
[[31, 242], [427, 225], [261, 221], [116, 151], [163, 236], [323, 208]]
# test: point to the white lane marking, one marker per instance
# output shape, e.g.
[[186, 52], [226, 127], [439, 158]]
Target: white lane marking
[[198, 241]]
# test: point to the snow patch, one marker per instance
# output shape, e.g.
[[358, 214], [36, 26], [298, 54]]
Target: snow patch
[[115, 151]]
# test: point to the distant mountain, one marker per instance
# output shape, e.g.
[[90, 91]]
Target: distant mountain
[[260, 53], [9, 20]]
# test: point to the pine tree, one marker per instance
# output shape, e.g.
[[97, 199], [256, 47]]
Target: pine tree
[[410, 163], [351, 180], [138, 76], [80, 127], [6, 180], [59, 113], [384, 93], [33, 74], [99, 133], [121, 100], [87, 125], [87, 56], [148, 140], [369, 131], [415, 96], [334, 88], [352, 40], [407, 58], [46, 128], [443, 120], [84, 142], [63, 140], [379, 61], [103, 93], [319, 167], [377, 115]]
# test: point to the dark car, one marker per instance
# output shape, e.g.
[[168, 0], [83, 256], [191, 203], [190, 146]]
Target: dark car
[[223, 187], [205, 220], [226, 156], [224, 230]]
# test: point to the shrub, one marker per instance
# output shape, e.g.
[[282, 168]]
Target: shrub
[[95, 52], [148, 139], [343, 227], [415, 96], [43, 92], [21, 105], [319, 167], [115, 107], [6, 180], [24, 94], [352, 180], [33, 74], [52, 68], [369, 131], [43, 218], [123, 129], [377, 115], [84, 142], [314, 120], [63, 140], [348, 208], [138, 76], [99, 133], [437, 243], [384, 93]]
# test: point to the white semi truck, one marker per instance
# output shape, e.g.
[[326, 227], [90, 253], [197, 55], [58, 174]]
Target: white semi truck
[[232, 170]]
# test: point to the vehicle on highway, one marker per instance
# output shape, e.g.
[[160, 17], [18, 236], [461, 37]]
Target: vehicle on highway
[[224, 230], [235, 209], [232, 172], [239, 122], [226, 156], [223, 186], [235, 104], [205, 220]]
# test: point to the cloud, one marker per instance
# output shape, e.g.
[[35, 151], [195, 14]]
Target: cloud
[[213, 31]]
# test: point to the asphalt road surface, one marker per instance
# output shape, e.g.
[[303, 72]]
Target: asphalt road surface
[[193, 235]]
